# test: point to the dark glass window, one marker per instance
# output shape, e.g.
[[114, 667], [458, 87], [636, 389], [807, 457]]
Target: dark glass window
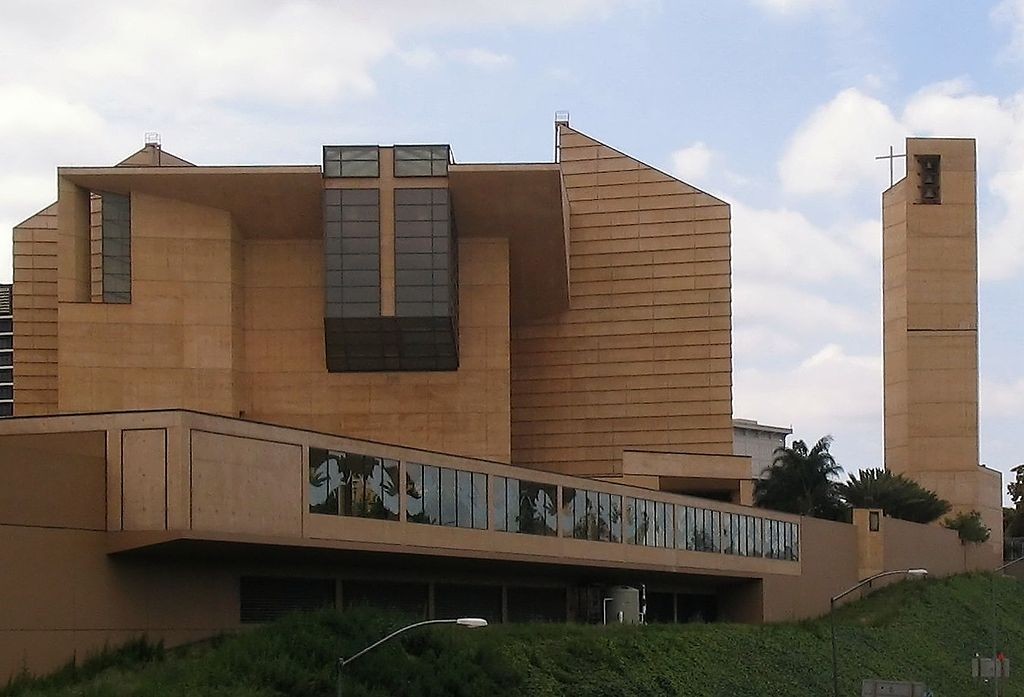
[[591, 515], [351, 161], [528, 507], [6, 408], [352, 485], [6, 375], [443, 496], [425, 269], [6, 391], [6, 341], [352, 252], [116, 219], [6, 325], [422, 160], [6, 358]]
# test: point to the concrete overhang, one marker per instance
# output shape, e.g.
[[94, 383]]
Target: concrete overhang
[[265, 202], [696, 474], [194, 545], [525, 203]]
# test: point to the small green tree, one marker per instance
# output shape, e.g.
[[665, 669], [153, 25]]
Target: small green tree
[[1013, 518], [897, 496], [968, 526], [801, 480]]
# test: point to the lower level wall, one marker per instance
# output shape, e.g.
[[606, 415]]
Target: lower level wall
[[828, 561], [65, 598]]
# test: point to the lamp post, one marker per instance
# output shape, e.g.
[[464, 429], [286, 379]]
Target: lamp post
[[995, 624], [471, 622], [832, 614]]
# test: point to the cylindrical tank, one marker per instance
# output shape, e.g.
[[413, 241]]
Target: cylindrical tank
[[623, 605]]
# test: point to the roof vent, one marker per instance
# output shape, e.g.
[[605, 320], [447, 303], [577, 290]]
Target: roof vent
[[152, 138]]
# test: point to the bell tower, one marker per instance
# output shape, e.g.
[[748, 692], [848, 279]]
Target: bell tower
[[930, 333]]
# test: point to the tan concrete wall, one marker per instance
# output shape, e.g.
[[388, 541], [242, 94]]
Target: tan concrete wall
[[465, 412], [245, 485], [57, 480], [35, 306], [642, 359], [144, 479], [175, 344], [828, 562], [245, 489], [66, 598], [914, 546]]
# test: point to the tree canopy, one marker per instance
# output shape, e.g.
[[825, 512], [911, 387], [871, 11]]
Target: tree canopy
[[897, 496], [802, 480]]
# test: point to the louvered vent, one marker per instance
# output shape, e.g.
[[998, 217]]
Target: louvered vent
[[264, 599]]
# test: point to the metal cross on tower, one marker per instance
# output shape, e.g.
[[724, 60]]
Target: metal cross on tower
[[891, 157]]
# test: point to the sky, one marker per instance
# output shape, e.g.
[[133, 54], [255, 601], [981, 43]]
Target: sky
[[777, 106]]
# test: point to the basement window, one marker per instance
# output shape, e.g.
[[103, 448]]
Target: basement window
[[265, 599]]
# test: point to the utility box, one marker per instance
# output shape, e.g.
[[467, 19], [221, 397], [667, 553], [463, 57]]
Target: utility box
[[893, 688], [623, 605], [982, 667]]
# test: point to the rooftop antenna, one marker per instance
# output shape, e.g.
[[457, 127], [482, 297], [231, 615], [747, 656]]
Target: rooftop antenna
[[891, 157], [561, 119], [153, 140]]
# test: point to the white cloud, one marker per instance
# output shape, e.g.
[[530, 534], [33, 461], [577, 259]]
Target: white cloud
[[831, 391], [833, 151], [481, 58], [832, 154], [79, 84], [692, 163], [781, 243], [1011, 13], [1002, 399], [794, 6]]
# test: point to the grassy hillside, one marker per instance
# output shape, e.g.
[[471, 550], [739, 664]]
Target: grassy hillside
[[923, 630]]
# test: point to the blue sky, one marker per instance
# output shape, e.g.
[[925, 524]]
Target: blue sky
[[777, 106]]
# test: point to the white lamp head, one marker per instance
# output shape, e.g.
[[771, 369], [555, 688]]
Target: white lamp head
[[471, 622], [917, 572]]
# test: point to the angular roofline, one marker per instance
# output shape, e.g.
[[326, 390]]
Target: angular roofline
[[645, 164]]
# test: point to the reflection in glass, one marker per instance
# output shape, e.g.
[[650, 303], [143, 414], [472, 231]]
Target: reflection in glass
[[352, 485], [431, 496], [448, 496], [479, 517], [500, 509]]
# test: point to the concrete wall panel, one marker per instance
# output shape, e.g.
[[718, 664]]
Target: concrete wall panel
[[144, 479], [243, 485], [56, 480]]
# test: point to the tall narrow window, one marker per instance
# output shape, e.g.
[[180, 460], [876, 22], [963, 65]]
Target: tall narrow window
[[117, 248]]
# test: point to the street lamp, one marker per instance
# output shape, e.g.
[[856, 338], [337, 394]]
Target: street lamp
[[995, 624], [832, 613], [471, 622]]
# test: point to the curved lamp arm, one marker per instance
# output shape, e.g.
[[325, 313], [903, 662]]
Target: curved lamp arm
[[869, 579], [463, 621]]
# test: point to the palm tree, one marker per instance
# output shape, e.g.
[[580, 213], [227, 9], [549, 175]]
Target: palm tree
[[802, 481], [897, 496]]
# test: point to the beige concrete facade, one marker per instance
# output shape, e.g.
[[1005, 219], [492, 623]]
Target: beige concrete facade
[[117, 499], [930, 314], [598, 322], [168, 450], [642, 358]]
